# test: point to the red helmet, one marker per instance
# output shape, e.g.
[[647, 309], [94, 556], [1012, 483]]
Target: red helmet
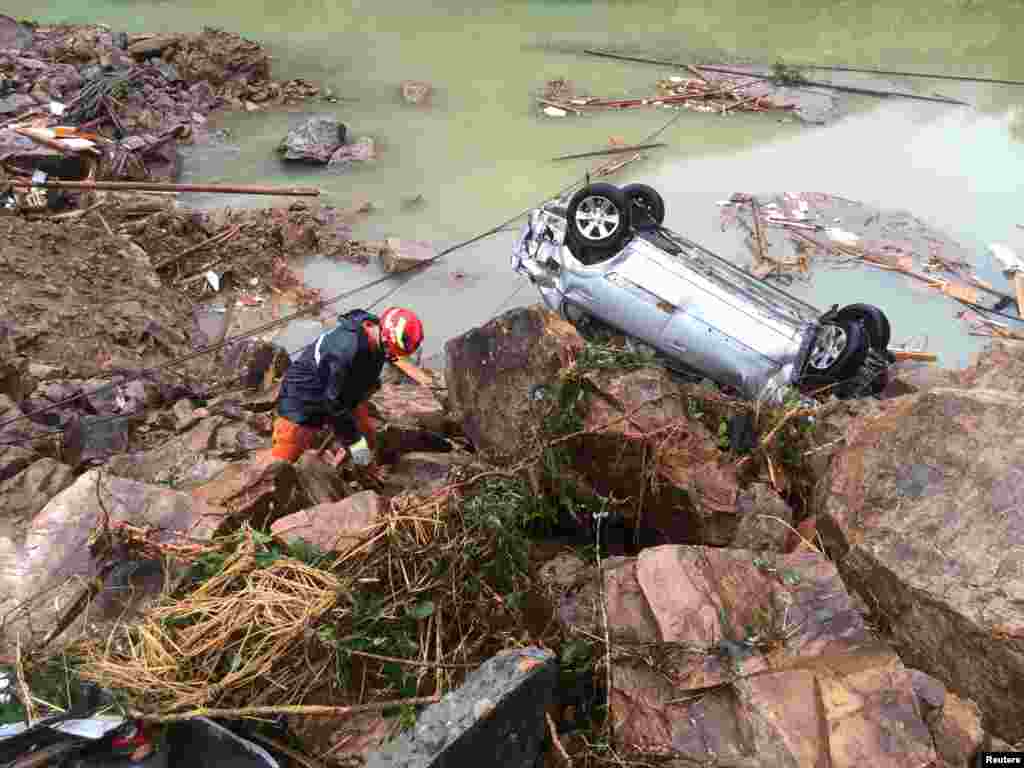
[[400, 331]]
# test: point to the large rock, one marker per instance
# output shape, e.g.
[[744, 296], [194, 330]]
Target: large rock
[[321, 483], [925, 516], [93, 439], [45, 573], [314, 141], [14, 34], [806, 683], [14, 375], [13, 459], [424, 473], [640, 444], [334, 527], [27, 492], [403, 255], [998, 366], [412, 405], [495, 717], [493, 373], [361, 150], [184, 462], [257, 492], [153, 46], [764, 519], [256, 364]]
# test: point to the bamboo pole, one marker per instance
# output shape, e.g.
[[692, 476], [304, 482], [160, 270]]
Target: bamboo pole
[[844, 88], [144, 186], [914, 354], [611, 151], [960, 78]]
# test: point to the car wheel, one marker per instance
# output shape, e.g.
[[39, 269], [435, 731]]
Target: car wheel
[[875, 322], [650, 203], [598, 216], [839, 349]]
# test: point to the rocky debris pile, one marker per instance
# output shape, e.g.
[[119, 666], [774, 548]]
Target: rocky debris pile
[[132, 93], [627, 431], [923, 510], [759, 660], [321, 140]]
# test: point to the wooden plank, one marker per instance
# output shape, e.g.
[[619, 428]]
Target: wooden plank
[[961, 292], [914, 354]]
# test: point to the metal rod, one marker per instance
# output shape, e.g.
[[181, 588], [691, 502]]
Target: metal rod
[[610, 151], [960, 78], [845, 88], [660, 62], [143, 186]]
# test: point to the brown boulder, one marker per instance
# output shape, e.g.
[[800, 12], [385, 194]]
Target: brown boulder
[[403, 255], [424, 473], [764, 520], [45, 574], [184, 462], [321, 483], [412, 405], [998, 366], [27, 492], [493, 371], [806, 684], [257, 364], [258, 492], [925, 516], [13, 459], [640, 444], [335, 527], [957, 731]]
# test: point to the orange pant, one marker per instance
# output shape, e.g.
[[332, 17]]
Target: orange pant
[[290, 440]]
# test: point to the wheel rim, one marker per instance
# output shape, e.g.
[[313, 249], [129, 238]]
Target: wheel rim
[[831, 343], [597, 217]]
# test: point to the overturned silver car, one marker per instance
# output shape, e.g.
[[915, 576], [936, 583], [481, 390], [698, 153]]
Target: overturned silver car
[[603, 254]]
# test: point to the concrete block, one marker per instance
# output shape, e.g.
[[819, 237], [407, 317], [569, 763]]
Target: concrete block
[[495, 718]]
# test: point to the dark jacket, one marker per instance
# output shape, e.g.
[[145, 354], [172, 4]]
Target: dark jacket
[[331, 377]]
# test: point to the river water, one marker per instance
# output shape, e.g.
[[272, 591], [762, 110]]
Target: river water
[[480, 154]]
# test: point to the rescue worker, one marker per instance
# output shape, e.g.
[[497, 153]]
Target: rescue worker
[[331, 381]]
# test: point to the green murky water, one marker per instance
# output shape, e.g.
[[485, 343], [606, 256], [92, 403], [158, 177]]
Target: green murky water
[[479, 154]]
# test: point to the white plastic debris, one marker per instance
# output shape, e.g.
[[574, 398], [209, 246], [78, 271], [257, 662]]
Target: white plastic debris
[[1005, 255], [555, 112], [676, 79], [254, 281], [56, 108], [39, 177], [213, 280], [842, 236]]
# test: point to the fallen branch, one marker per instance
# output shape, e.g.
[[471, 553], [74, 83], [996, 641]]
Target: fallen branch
[[556, 741], [221, 237], [609, 151], [413, 662], [153, 186], [311, 710]]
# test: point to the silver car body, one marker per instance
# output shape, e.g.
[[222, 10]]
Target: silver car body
[[669, 292]]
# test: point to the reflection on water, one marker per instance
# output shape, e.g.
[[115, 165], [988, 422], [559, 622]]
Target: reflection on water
[[479, 154]]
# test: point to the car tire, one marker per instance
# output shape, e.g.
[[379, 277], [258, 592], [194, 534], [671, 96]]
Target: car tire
[[875, 322], [650, 203], [598, 217], [839, 351]]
